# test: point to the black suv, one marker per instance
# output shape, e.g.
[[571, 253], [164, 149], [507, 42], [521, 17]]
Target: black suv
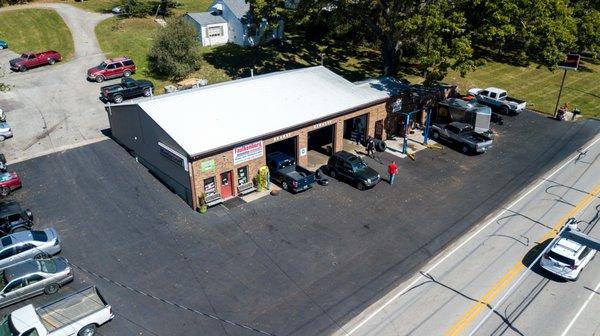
[[13, 218], [353, 169]]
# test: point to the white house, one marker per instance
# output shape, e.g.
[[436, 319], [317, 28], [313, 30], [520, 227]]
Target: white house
[[230, 21]]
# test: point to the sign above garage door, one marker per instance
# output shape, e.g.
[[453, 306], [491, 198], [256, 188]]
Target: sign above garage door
[[247, 152]]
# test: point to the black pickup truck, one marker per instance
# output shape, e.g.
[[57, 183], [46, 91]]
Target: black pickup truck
[[128, 88], [13, 218], [285, 172]]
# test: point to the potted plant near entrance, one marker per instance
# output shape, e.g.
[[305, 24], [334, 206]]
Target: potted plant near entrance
[[202, 207]]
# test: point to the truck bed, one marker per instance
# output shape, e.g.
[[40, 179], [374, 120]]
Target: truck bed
[[71, 308]]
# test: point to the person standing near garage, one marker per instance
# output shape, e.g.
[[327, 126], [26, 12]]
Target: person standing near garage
[[392, 170]]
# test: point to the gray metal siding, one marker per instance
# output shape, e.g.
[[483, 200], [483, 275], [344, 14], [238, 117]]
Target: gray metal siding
[[136, 131]]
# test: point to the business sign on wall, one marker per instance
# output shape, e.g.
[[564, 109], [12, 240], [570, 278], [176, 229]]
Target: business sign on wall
[[247, 152], [206, 166]]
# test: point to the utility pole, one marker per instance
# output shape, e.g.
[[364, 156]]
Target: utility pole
[[562, 83]]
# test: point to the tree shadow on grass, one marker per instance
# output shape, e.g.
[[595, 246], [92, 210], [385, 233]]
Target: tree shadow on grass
[[295, 52]]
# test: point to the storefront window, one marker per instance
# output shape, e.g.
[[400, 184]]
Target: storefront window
[[242, 175], [209, 186]]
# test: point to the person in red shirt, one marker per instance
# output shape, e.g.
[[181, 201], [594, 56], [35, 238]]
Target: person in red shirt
[[392, 170]]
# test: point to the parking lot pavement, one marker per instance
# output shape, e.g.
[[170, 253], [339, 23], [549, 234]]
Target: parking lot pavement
[[289, 265], [54, 108]]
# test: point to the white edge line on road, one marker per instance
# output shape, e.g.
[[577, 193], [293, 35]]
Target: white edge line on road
[[594, 292], [434, 266]]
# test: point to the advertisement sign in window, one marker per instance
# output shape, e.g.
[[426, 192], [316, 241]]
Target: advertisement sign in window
[[242, 175], [247, 152], [209, 186]]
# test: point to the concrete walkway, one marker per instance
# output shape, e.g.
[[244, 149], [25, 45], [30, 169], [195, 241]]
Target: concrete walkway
[[54, 107]]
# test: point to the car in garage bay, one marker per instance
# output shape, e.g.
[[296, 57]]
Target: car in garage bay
[[353, 169], [33, 277], [566, 258]]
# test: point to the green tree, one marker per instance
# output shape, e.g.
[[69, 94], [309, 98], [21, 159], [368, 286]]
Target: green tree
[[430, 32], [175, 52], [587, 16]]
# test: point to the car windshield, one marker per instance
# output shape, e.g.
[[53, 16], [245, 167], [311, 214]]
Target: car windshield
[[39, 236], [102, 66], [357, 164], [47, 265], [6, 241], [5, 177], [561, 258], [7, 328]]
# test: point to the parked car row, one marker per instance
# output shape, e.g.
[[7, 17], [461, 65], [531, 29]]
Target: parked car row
[[29, 267]]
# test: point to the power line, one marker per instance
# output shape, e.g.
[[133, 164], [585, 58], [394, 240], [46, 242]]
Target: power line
[[174, 304]]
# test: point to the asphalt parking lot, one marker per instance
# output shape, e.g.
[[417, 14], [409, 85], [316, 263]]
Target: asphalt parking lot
[[289, 265]]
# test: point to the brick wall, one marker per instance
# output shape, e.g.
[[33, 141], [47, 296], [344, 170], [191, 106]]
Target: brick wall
[[224, 160]]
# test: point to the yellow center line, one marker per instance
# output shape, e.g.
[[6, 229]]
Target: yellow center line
[[516, 269]]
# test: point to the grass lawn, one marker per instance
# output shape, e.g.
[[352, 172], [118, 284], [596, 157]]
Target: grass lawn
[[539, 86], [36, 30]]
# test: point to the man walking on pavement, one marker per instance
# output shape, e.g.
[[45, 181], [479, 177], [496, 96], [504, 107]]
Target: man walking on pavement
[[392, 170]]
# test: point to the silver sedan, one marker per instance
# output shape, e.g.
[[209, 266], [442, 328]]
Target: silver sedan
[[25, 245], [33, 277]]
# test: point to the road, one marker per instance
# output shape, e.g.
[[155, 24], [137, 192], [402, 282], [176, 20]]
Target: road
[[454, 292], [53, 108]]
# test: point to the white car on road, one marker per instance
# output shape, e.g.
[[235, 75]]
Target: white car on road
[[566, 258]]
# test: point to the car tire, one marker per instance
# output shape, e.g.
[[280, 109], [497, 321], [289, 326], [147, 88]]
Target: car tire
[[4, 191], [99, 79], [147, 92], [51, 289], [51, 61], [465, 149], [360, 186], [2, 138], [88, 330], [22, 68], [41, 255], [126, 73], [118, 99], [504, 110]]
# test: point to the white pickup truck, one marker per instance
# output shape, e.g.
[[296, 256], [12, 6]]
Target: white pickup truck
[[76, 314], [498, 100]]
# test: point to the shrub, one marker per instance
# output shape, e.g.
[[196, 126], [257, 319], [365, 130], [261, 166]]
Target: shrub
[[175, 52]]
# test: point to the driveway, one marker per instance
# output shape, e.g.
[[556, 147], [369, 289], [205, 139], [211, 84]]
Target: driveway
[[53, 108], [301, 264]]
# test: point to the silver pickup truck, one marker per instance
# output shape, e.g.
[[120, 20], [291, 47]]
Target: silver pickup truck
[[462, 134], [498, 100]]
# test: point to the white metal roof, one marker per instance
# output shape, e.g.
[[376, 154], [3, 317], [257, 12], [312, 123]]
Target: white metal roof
[[208, 118]]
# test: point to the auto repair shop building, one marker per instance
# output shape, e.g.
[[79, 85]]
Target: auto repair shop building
[[212, 140]]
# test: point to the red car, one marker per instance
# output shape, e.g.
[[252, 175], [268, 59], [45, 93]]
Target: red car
[[112, 68], [30, 60], [9, 182]]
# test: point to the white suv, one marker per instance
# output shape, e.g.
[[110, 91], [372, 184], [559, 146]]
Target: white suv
[[566, 258]]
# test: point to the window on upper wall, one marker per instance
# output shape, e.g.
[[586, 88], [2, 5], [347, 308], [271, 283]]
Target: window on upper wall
[[214, 31], [242, 175]]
